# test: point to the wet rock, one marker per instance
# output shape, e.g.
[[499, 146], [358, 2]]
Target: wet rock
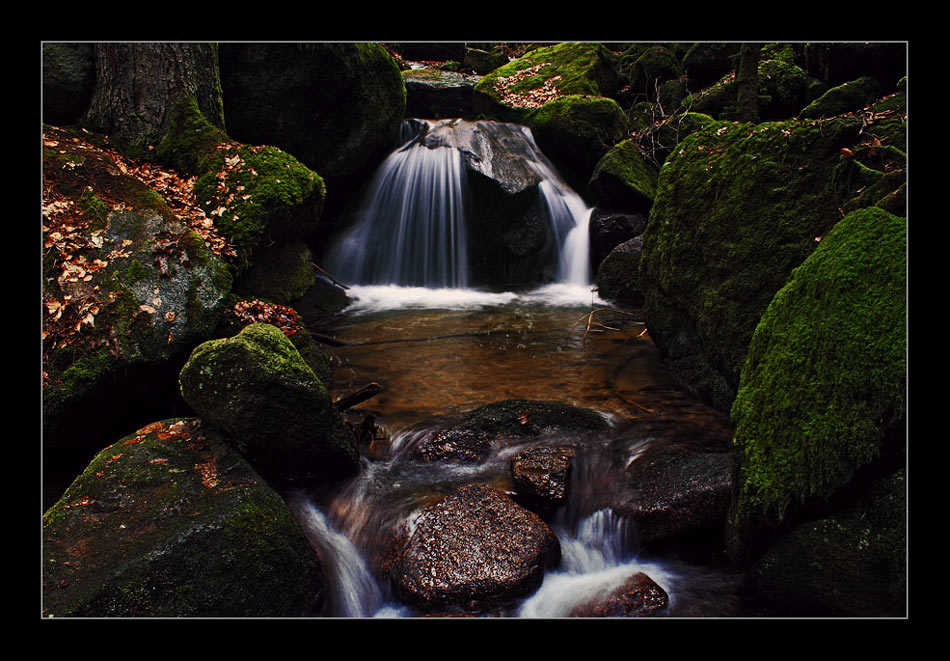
[[257, 388], [608, 229], [542, 477], [638, 596], [171, 522], [475, 547], [678, 493], [471, 439]]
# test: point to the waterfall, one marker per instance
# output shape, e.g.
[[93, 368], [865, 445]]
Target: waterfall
[[413, 230], [594, 560]]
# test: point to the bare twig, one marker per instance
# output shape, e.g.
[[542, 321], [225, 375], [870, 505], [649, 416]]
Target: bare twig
[[334, 280]]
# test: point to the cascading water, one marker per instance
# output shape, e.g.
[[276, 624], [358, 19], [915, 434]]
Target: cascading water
[[414, 230]]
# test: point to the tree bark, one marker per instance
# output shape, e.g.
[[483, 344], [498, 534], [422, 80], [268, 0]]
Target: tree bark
[[747, 83], [138, 84]]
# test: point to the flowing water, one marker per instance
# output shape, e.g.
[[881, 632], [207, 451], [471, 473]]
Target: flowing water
[[439, 347]]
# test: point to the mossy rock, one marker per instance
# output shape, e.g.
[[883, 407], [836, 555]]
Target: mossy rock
[[336, 107], [577, 131], [850, 564], [252, 193], [69, 77], [543, 73], [782, 91], [483, 62], [623, 179], [258, 389], [738, 206], [849, 96], [281, 273], [170, 522], [131, 291], [823, 389], [654, 65]]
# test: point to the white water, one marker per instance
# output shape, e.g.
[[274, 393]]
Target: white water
[[412, 233]]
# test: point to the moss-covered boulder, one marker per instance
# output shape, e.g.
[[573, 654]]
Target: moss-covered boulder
[[170, 522], [623, 179], [128, 290], [257, 388], [650, 67], [577, 131], [69, 77], [823, 389], [738, 206], [335, 106], [843, 98], [482, 61], [281, 273], [544, 73], [252, 193]]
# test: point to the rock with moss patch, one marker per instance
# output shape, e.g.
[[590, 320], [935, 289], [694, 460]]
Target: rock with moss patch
[[257, 388], [483, 62], [846, 97], [738, 206], [654, 65], [544, 73], [577, 131], [170, 522], [624, 180], [823, 389], [129, 289], [281, 273]]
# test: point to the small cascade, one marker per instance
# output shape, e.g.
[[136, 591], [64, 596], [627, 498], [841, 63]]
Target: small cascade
[[414, 228], [352, 590]]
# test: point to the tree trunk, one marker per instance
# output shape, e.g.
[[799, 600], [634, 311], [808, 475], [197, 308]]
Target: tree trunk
[[747, 83], [137, 85]]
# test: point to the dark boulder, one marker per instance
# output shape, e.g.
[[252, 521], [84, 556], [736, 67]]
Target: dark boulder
[[623, 179], [257, 388], [843, 98], [618, 274], [171, 522], [474, 548], [677, 494], [608, 229]]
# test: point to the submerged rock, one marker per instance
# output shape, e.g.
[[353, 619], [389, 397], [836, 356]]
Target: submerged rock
[[474, 548], [471, 440], [257, 388], [637, 596], [171, 522]]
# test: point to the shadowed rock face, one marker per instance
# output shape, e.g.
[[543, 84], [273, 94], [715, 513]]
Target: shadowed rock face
[[474, 547]]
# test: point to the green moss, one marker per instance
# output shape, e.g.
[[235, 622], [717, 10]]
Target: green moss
[[93, 208], [624, 179], [190, 140], [824, 380]]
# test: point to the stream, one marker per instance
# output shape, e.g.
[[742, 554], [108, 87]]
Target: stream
[[439, 353]]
